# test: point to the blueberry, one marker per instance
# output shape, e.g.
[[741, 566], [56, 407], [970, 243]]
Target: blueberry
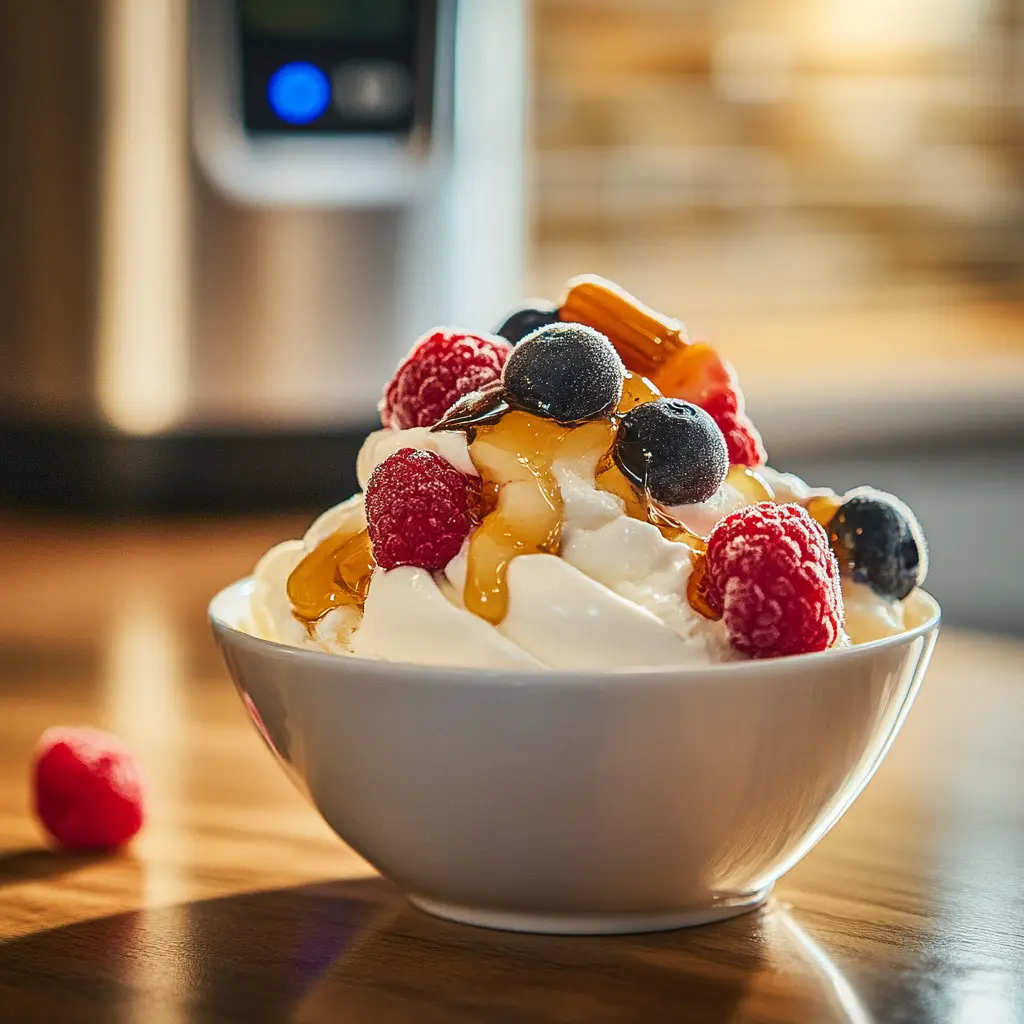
[[879, 542], [566, 372], [673, 449], [539, 313]]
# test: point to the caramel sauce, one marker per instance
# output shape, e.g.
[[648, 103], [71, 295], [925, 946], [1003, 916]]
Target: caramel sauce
[[636, 390], [644, 338], [823, 508], [750, 484], [640, 506], [514, 452], [697, 590], [514, 458], [335, 573]]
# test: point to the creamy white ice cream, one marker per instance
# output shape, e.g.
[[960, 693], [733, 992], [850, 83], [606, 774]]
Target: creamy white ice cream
[[616, 597], [868, 615], [408, 617]]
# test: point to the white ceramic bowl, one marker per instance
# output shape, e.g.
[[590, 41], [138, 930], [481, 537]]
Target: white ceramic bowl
[[574, 802]]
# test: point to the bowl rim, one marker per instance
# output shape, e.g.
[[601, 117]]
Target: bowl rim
[[679, 674]]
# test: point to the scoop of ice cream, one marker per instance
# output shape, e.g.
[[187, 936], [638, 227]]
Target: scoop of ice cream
[[615, 597], [633, 559], [346, 517], [408, 618], [565, 619], [270, 611]]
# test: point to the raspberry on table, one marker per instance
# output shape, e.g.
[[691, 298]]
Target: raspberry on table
[[443, 366], [419, 509], [774, 578], [88, 788]]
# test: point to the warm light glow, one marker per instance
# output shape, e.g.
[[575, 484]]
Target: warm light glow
[[144, 692], [838, 989], [144, 682], [143, 326]]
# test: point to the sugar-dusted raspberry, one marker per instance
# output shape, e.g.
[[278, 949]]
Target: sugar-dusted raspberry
[[88, 788], [772, 574], [443, 366], [742, 438], [419, 509]]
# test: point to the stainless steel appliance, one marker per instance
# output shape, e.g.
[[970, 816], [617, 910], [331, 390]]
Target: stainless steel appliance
[[224, 222]]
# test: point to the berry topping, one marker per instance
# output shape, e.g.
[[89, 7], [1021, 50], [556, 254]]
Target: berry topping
[[88, 789], [419, 509], [772, 575], [673, 450], [443, 366], [742, 438], [565, 372], [528, 319], [700, 375], [878, 541]]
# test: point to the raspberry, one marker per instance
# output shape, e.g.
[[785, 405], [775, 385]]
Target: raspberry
[[772, 574], [443, 366], [419, 509], [700, 375], [742, 438], [88, 789]]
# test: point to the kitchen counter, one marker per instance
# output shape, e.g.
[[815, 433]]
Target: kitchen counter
[[238, 904]]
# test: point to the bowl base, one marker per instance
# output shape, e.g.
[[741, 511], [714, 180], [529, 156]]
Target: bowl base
[[591, 924]]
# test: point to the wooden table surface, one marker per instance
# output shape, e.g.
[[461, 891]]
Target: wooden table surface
[[238, 904]]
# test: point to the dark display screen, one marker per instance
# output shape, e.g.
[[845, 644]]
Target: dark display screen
[[328, 18], [336, 66]]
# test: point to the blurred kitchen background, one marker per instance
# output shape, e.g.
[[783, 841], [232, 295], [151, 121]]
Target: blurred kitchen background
[[205, 276]]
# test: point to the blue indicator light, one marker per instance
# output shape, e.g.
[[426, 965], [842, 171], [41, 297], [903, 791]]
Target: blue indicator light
[[298, 92]]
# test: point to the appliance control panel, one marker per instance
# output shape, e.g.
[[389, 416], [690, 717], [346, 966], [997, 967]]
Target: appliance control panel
[[331, 103], [336, 67]]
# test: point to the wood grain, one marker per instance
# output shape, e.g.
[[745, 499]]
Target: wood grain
[[238, 904]]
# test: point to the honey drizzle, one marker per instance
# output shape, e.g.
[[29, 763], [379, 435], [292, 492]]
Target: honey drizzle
[[697, 589], [514, 458], [636, 390], [514, 452], [334, 574], [823, 508], [750, 484], [640, 506]]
